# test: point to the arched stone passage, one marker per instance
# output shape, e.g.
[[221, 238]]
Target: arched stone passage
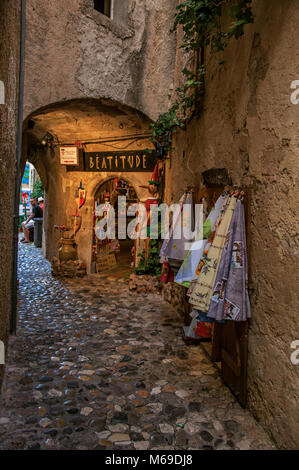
[[101, 126]]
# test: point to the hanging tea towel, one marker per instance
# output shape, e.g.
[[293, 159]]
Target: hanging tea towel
[[202, 293], [187, 272], [236, 300], [217, 299]]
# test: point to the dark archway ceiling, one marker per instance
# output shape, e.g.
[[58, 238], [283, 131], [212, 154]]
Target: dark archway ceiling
[[80, 120]]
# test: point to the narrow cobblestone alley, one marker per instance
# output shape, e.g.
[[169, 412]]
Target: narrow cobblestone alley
[[94, 366]]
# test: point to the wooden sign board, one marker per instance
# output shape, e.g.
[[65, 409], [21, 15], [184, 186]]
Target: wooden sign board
[[105, 263], [124, 161]]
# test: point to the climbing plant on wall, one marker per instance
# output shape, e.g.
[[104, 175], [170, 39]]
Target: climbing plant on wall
[[205, 23]]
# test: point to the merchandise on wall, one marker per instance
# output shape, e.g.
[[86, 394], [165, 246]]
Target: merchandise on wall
[[215, 277], [220, 290], [188, 269], [178, 238], [215, 267], [108, 252], [151, 200]]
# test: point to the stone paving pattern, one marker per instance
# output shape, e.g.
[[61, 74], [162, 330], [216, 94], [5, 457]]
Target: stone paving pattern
[[95, 366]]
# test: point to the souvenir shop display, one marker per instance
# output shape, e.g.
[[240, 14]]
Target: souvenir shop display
[[187, 271], [107, 247], [215, 268], [109, 252], [202, 292], [230, 300], [175, 244], [80, 196], [220, 291]]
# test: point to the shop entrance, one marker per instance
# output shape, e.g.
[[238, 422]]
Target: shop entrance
[[113, 255]]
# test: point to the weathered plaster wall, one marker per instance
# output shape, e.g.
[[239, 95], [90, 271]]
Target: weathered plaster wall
[[73, 51], [249, 126], [9, 64]]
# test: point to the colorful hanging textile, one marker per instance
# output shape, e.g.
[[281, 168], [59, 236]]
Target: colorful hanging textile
[[169, 235], [203, 330], [216, 304], [200, 326], [187, 271], [174, 250], [167, 273], [190, 330], [235, 304], [208, 245], [201, 295]]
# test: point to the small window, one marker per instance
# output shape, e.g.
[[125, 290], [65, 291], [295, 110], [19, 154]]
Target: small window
[[103, 6]]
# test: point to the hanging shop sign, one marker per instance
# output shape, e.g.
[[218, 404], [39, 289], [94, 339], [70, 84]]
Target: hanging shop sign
[[135, 160], [69, 156], [125, 161]]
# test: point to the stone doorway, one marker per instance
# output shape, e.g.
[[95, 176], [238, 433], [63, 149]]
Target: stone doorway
[[113, 255]]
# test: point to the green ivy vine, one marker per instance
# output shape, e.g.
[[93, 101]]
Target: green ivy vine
[[202, 26]]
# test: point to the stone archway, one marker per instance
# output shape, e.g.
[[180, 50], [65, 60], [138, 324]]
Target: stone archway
[[100, 126]]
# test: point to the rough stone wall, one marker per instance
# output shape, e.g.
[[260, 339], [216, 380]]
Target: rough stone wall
[[73, 51], [9, 65], [249, 126]]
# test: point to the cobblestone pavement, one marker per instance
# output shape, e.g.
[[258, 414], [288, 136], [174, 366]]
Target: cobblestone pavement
[[94, 366]]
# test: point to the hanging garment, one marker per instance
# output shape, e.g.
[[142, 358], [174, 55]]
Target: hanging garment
[[216, 304], [200, 326], [187, 271], [175, 250], [209, 243], [150, 201], [178, 248], [201, 295], [236, 300], [190, 330]]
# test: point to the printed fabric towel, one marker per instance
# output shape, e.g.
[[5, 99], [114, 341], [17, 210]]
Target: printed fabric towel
[[164, 247], [216, 304], [176, 248], [208, 245], [236, 301], [187, 271], [202, 292]]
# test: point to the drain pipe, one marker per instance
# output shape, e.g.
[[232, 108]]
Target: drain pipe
[[13, 318]]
